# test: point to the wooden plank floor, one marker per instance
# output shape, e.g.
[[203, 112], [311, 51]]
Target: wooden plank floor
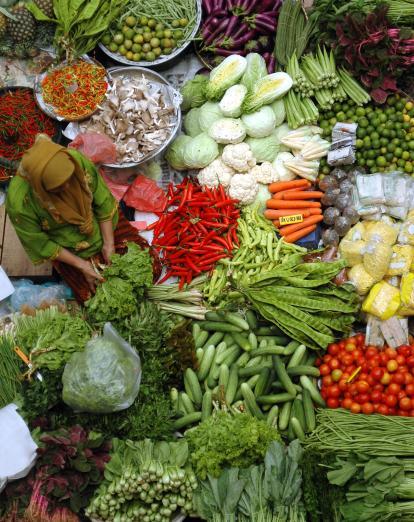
[[13, 258]]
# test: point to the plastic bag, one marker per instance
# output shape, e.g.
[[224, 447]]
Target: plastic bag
[[118, 190], [383, 301], [105, 377], [145, 195], [97, 147], [370, 189], [28, 294]]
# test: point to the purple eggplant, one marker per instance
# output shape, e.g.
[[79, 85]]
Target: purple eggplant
[[239, 42], [221, 13], [218, 4], [266, 5], [219, 30], [227, 52], [240, 31], [210, 23], [208, 6], [251, 5], [271, 64], [232, 22], [264, 27]]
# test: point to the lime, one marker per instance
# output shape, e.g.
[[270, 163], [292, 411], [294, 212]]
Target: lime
[[152, 23], [157, 51], [113, 47], [408, 167], [167, 51], [361, 132], [128, 44], [122, 50], [154, 42], [166, 43], [376, 144], [136, 48], [363, 122], [147, 29], [118, 38], [159, 34], [350, 114], [147, 37], [175, 23], [382, 118], [129, 55], [138, 39], [401, 162], [125, 29], [178, 35], [385, 133], [367, 142], [371, 115], [140, 30], [333, 121], [375, 135], [183, 22], [143, 20], [362, 162], [130, 21], [389, 156], [393, 134], [150, 56], [383, 150], [360, 111], [173, 42], [168, 33], [359, 144], [159, 27], [146, 48], [106, 39], [411, 145], [371, 154], [391, 100], [345, 107], [399, 106], [405, 155], [370, 162], [129, 34], [341, 116], [398, 152], [381, 161], [136, 57]]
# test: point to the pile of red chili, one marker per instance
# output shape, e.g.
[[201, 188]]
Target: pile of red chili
[[75, 90], [197, 228], [20, 121]]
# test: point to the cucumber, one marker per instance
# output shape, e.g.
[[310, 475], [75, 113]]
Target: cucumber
[[275, 398], [237, 320], [303, 370], [314, 392], [214, 316], [232, 357], [268, 330], [255, 361], [225, 353], [228, 339], [297, 411], [284, 416], [309, 411], [283, 376], [251, 319], [214, 339], [215, 326], [220, 349], [191, 418], [297, 428], [192, 386], [196, 330], [199, 354], [252, 340], [250, 401], [310, 361], [201, 339], [272, 416], [180, 408], [207, 405], [261, 385], [252, 370], [269, 350], [253, 381], [187, 403], [206, 362], [242, 342], [297, 356], [174, 398], [291, 347], [279, 386], [279, 340], [243, 359], [232, 384], [224, 376]]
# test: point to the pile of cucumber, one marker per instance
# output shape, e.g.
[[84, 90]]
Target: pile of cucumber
[[249, 366]]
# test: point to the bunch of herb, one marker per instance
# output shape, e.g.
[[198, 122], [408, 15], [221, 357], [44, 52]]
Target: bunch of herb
[[50, 337], [226, 439], [114, 298], [9, 371], [68, 469]]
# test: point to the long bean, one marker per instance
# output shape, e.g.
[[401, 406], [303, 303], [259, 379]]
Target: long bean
[[9, 371]]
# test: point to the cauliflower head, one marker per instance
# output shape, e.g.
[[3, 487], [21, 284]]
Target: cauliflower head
[[215, 174], [239, 157], [265, 173], [243, 187]]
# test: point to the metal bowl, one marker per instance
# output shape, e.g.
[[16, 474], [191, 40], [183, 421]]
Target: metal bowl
[[49, 109], [162, 59], [174, 98]]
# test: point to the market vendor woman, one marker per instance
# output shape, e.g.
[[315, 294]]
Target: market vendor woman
[[63, 211]]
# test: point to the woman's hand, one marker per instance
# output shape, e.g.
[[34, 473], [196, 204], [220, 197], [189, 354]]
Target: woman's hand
[[92, 277], [108, 250]]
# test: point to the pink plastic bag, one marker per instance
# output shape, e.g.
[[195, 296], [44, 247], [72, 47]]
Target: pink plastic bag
[[145, 195], [97, 147], [118, 190]]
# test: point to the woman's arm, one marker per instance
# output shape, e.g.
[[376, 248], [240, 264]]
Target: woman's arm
[[83, 265], [107, 233]]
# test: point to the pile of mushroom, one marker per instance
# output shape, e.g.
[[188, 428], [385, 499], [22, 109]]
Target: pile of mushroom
[[135, 115]]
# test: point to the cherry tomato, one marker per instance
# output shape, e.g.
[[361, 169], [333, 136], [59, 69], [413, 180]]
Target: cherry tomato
[[342, 344], [332, 403], [400, 360], [347, 395], [318, 362], [374, 362], [336, 375], [346, 403], [350, 347], [367, 408], [334, 391], [327, 380], [404, 350], [377, 373], [391, 400], [392, 411], [409, 389], [378, 387], [401, 394], [334, 364], [346, 359], [355, 407], [410, 361], [383, 358], [376, 396], [394, 388], [360, 339], [412, 413], [370, 352], [333, 349], [362, 386], [405, 404], [327, 358], [412, 403], [362, 376], [386, 378], [392, 365], [391, 353], [398, 378], [324, 369], [403, 413], [383, 409], [324, 393], [371, 381], [352, 389], [357, 353]]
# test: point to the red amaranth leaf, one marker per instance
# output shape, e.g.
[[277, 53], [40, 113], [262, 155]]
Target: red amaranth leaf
[[379, 95]]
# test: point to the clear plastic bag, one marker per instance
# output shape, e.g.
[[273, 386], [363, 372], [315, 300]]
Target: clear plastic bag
[[105, 377], [395, 189], [370, 189], [97, 147], [28, 294]]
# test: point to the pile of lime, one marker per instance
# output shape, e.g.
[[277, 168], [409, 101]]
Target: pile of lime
[[385, 133], [142, 38]]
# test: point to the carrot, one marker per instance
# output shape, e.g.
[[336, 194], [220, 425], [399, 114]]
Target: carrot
[[303, 195], [285, 185], [276, 203], [275, 214], [279, 195], [295, 236], [288, 229], [315, 211]]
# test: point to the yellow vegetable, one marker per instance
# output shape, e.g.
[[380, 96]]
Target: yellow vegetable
[[383, 301]]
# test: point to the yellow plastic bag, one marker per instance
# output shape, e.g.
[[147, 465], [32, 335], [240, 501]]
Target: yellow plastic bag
[[406, 235], [377, 259], [401, 260], [360, 278], [383, 301], [355, 233], [352, 251], [381, 232]]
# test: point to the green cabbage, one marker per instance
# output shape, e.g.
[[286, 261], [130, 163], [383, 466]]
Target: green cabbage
[[174, 155], [256, 69], [193, 92], [279, 110], [191, 123], [267, 90], [200, 152], [209, 113], [259, 124], [232, 100], [264, 149], [225, 75], [280, 132]]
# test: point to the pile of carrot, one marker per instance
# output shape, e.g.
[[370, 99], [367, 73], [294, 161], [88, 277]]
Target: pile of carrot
[[292, 198]]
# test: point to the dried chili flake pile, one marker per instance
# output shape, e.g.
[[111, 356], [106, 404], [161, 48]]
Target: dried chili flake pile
[[197, 228], [20, 121], [75, 90]]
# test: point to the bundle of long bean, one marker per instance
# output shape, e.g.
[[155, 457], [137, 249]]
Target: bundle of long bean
[[9, 371], [343, 432]]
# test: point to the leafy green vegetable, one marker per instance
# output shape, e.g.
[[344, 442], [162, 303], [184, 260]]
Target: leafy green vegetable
[[256, 69], [51, 337], [225, 439], [191, 123], [114, 298], [193, 92], [9, 371]]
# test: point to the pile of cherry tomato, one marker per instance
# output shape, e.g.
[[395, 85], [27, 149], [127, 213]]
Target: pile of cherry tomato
[[367, 379]]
